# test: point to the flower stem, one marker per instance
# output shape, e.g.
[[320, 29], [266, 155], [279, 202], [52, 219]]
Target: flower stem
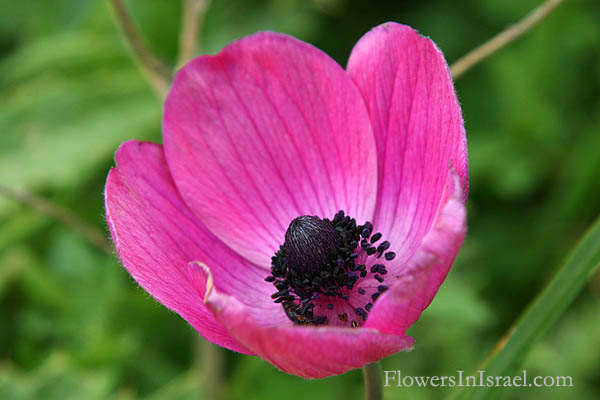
[[192, 16], [94, 235], [157, 74], [511, 33], [372, 378], [210, 365]]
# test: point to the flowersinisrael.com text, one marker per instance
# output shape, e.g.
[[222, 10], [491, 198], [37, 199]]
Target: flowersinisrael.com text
[[395, 378]]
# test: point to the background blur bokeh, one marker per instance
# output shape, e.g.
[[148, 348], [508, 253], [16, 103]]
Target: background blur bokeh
[[73, 324]]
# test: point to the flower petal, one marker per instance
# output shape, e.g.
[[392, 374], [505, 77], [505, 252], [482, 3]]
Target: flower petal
[[310, 352], [418, 128], [417, 283], [268, 129], [156, 236]]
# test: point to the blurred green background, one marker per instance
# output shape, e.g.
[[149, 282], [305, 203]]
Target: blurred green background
[[73, 324]]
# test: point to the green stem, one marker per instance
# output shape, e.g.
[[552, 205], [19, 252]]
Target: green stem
[[505, 37], [372, 378], [211, 360], [94, 235], [157, 74]]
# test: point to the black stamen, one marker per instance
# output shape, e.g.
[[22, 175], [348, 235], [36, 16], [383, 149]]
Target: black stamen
[[361, 313], [322, 257], [376, 237], [383, 246]]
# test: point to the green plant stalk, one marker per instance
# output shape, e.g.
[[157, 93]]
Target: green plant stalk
[[541, 314], [373, 381]]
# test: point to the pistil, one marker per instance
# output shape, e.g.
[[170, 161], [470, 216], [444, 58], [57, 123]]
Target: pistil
[[321, 273]]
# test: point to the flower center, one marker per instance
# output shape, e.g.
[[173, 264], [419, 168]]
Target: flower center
[[310, 244], [326, 272]]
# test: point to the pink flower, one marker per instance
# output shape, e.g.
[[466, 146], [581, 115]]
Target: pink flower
[[269, 130]]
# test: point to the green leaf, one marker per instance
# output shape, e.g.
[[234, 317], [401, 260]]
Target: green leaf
[[541, 314], [59, 377], [69, 101]]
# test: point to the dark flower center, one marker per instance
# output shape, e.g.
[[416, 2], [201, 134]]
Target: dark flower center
[[326, 270], [310, 244]]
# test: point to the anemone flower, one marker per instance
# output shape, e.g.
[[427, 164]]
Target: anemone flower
[[298, 211]]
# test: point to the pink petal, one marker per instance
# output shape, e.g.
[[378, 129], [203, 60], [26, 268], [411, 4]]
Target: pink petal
[[156, 236], [269, 129], [309, 352], [418, 282], [418, 127]]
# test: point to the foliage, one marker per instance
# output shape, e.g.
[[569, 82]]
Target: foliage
[[74, 325]]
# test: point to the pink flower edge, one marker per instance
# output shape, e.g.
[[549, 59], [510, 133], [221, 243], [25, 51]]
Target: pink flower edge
[[317, 352], [156, 235], [411, 294], [309, 352], [418, 127]]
